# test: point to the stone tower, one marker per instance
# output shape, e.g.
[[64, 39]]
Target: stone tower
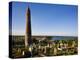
[[28, 39]]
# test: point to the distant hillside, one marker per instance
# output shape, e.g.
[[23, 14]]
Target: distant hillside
[[22, 37]]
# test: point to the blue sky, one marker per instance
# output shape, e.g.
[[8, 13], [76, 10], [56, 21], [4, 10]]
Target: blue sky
[[46, 19]]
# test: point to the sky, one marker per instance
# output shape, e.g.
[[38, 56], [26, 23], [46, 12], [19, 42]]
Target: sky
[[46, 19]]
